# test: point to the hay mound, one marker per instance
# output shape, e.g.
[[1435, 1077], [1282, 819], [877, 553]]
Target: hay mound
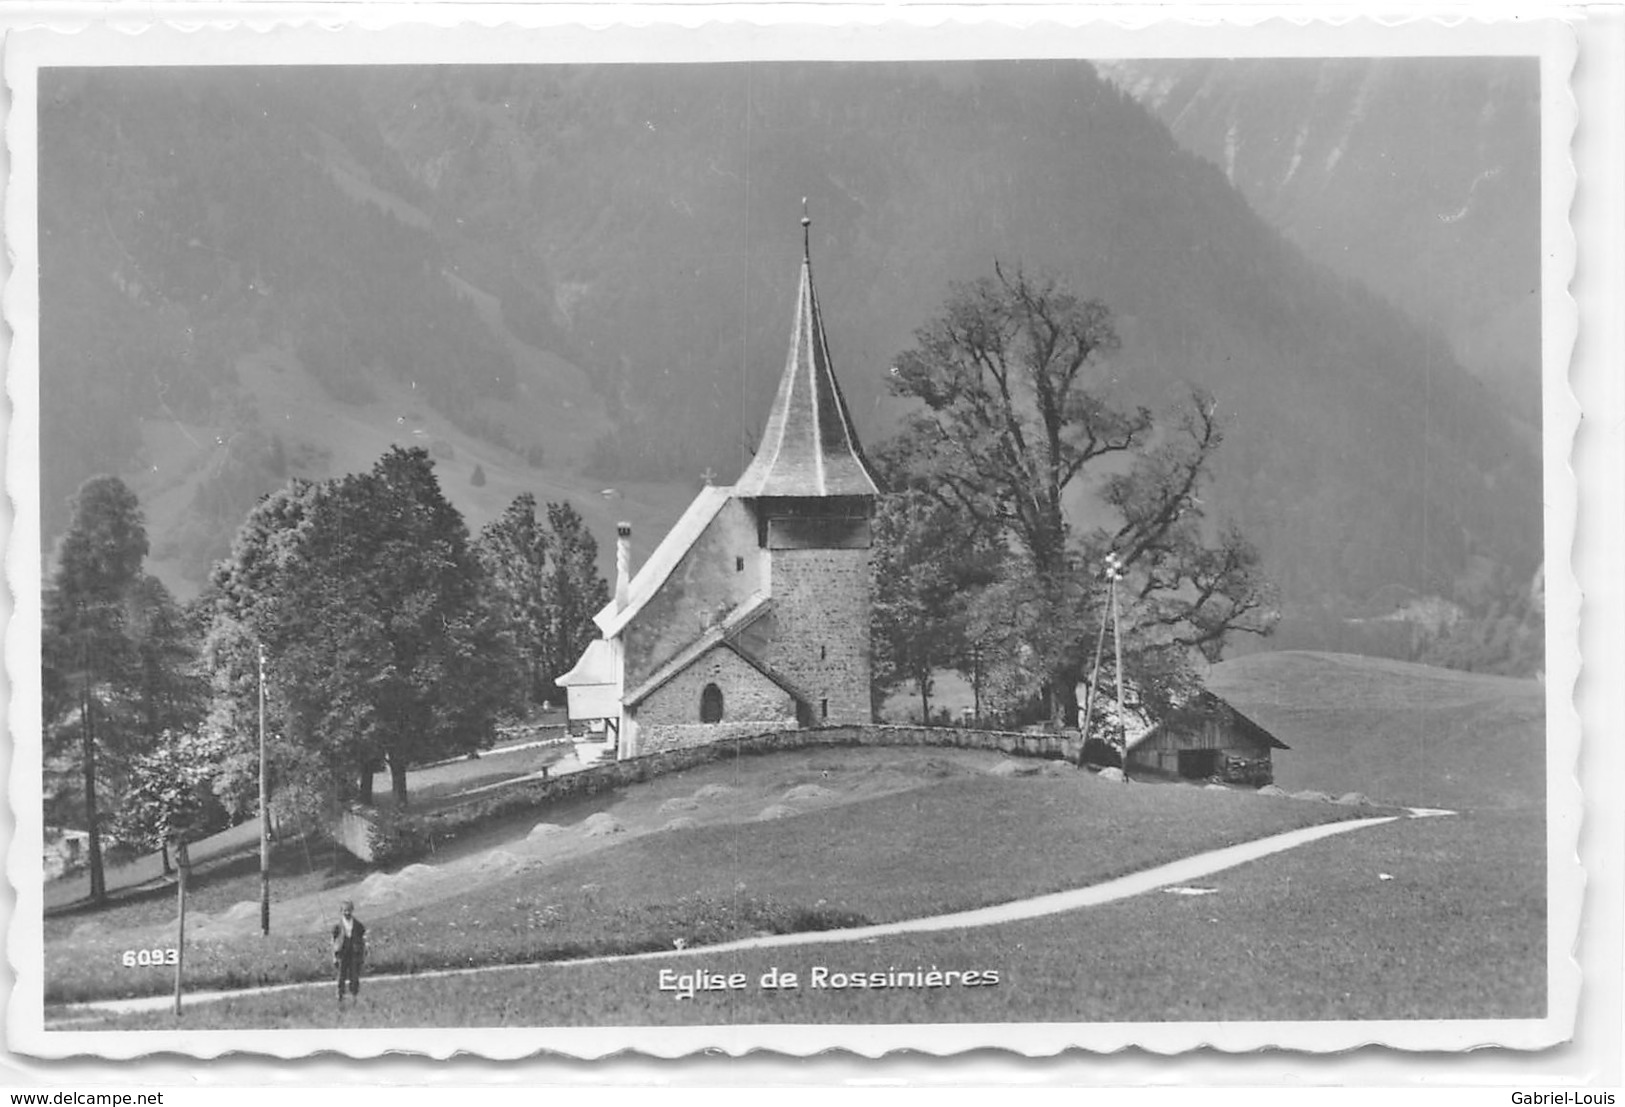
[[1271, 790], [1354, 799], [1058, 768], [678, 803], [776, 811], [499, 862], [385, 885], [1214, 787], [543, 830], [682, 822], [714, 791], [247, 909], [602, 825], [1112, 773], [1311, 794], [808, 792], [388, 888]]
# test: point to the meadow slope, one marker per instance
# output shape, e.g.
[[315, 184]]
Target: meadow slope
[[1397, 731], [1422, 918]]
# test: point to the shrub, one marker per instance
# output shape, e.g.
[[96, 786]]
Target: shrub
[[396, 838]]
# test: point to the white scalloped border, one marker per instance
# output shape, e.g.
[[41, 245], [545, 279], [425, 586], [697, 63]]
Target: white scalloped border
[[713, 32]]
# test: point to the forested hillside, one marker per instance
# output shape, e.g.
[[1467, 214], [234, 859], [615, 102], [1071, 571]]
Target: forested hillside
[[587, 272]]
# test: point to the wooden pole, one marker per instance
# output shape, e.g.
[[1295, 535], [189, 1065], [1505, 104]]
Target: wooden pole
[[1089, 696], [182, 863], [1122, 717], [976, 681], [98, 878], [265, 813]]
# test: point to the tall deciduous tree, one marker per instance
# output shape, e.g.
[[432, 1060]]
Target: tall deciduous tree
[[1010, 419], [85, 648], [369, 603]]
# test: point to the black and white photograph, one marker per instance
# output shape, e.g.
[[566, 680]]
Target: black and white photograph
[[615, 548]]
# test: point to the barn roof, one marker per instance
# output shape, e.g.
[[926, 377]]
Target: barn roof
[[1206, 705], [809, 446]]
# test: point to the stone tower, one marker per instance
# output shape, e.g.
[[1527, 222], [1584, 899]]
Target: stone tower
[[812, 496]]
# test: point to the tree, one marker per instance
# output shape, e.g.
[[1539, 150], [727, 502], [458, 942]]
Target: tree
[[513, 551], [1010, 422], [84, 645], [167, 686], [575, 590], [169, 794], [370, 605], [926, 570]]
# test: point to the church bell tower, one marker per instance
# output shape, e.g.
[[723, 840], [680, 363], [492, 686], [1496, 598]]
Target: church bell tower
[[813, 497]]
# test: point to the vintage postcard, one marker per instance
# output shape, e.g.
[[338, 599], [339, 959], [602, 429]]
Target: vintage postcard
[[790, 530]]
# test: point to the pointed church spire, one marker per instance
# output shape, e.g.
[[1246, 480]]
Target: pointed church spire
[[809, 446]]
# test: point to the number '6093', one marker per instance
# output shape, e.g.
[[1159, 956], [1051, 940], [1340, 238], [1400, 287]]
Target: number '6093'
[[145, 957]]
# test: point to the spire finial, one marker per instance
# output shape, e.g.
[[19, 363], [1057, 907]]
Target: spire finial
[[806, 232]]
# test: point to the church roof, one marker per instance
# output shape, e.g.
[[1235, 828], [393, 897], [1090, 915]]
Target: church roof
[[654, 572], [809, 446], [726, 634]]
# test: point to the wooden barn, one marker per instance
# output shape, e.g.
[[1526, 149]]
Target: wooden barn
[[1207, 739]]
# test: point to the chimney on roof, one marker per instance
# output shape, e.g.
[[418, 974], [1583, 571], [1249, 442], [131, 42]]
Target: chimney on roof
[[623, 564]]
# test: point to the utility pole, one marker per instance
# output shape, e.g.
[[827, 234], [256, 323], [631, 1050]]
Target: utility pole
[[265, 813], [182, 863], [87, 728], [1089, 696], [1114, 573], [976, 681]]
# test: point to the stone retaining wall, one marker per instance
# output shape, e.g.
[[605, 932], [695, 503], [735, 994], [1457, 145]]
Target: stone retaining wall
[[537, 794], [353, 830], [631, 770]]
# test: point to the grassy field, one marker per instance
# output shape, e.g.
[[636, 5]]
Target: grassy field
[[1396, 731], [1429, 918], [968, 840], [1315, 933]]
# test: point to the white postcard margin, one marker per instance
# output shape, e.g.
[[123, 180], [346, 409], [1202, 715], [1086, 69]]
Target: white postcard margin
[[331, 34]]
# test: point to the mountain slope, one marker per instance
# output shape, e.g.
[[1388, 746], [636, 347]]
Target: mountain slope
[[1420, 177], [589, 270]]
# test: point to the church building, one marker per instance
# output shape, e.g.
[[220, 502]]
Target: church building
[[753, 611]]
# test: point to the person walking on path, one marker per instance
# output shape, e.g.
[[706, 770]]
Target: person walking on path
[[349, 949]]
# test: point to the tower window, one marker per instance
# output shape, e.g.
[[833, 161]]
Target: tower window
[[711, 704], [823, 708], [739, 565], [823, 653]]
